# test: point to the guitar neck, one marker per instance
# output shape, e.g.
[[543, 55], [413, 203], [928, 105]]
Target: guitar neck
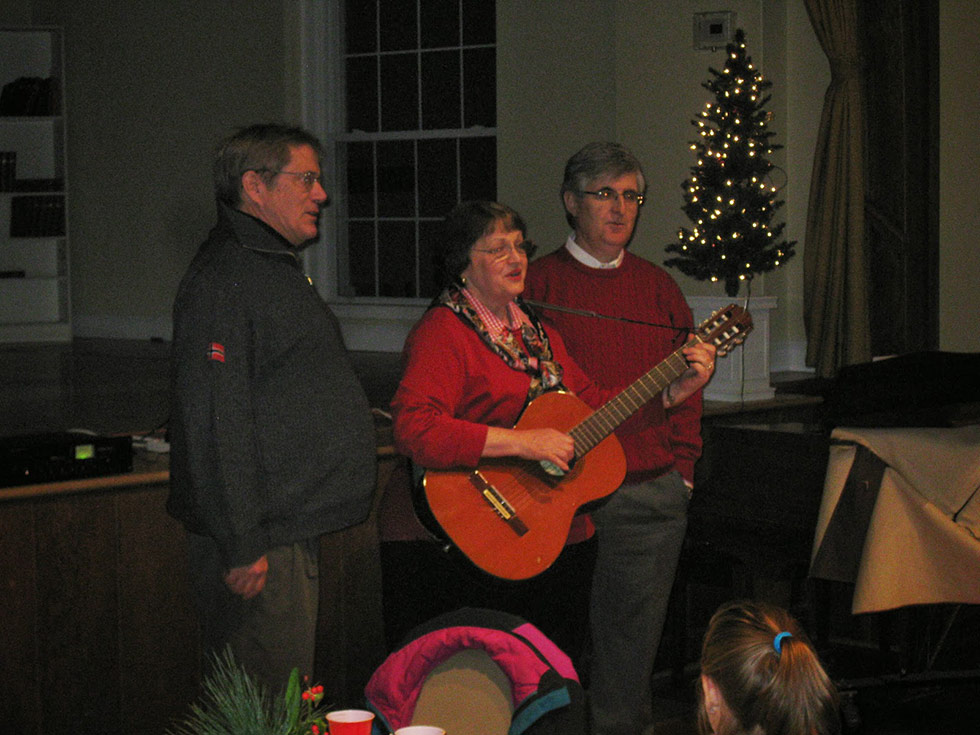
[[630, 400]]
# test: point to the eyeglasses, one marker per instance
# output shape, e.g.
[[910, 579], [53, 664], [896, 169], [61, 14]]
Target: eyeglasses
[[607, 194], [306, 177], [502, 252]]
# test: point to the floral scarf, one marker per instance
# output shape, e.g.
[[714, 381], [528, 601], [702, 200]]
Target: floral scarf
[[535, 360]]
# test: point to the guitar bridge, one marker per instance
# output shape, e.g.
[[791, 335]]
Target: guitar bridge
[[498, 502]]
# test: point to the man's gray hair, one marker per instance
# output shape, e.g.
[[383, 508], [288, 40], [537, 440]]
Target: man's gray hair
[[264, 148], [595, 160]]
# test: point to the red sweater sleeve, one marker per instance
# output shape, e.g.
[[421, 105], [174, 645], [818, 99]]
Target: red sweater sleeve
[[453, 387]]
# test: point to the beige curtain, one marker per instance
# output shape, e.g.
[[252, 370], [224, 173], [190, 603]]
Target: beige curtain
[[835, 290]]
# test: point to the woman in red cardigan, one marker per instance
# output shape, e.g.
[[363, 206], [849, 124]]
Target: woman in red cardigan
[[470, 365]]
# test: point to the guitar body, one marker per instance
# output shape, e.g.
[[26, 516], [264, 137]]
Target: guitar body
[[510, 517]]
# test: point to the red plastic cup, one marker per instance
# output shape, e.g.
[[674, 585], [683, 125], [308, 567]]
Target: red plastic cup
[[350, 722]]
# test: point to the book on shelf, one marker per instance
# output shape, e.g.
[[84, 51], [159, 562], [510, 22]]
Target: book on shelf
[[8, 170], [37, 216]]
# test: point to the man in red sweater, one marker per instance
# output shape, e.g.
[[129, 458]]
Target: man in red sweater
[[641, 527]]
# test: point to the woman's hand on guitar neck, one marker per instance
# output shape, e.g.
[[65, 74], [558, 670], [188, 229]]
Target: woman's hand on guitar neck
[[700, 358], [550, 445]]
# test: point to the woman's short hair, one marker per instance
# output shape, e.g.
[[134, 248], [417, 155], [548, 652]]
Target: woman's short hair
[[464, 225], [264, 148], [596, 160], [767, 688]]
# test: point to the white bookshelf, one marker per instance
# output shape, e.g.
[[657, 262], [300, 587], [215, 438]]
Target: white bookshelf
[[35, 302]]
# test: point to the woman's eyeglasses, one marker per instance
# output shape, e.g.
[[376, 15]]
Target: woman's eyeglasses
[[501, 252]]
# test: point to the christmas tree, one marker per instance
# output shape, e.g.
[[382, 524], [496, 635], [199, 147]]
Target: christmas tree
[[729, 197]]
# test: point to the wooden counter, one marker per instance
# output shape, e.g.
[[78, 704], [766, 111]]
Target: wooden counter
[[100, 634]]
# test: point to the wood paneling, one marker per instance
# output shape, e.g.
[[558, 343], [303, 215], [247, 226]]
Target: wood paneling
[[99, 630], [99, 635]]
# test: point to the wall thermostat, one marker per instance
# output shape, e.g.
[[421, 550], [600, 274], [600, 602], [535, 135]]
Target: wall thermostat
[[713, 30]]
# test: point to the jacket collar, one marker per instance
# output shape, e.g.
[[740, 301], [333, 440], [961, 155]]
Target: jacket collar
[[254, 234]]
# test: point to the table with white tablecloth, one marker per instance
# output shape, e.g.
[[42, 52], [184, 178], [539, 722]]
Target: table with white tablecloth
[[900, 516]]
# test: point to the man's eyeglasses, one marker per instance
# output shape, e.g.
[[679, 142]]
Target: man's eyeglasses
[[607, 194], [501, 252], [306, 177]]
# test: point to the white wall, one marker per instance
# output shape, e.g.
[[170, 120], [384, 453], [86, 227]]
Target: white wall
[[151, 89], [628, 71]]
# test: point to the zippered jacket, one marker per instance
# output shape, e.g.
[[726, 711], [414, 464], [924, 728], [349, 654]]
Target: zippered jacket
[[272, 439]]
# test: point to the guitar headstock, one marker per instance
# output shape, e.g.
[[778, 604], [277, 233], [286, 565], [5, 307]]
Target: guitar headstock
[[726, 328]]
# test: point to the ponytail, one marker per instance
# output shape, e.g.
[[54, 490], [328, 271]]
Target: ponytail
[[768, 674]]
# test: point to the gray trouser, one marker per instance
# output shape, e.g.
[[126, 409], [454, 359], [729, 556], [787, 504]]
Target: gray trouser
[[640, 531], [273, 632]]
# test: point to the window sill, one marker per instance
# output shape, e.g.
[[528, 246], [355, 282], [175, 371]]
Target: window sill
[[377, 326]]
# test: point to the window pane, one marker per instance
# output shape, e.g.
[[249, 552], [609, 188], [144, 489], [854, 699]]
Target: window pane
[[480, 88], [396, 259], [362, 94], [440, 23], [440, 90], [399, 92], [429, 235], [360, 254], [479, 22], [360, 179], [359, 26], [396, 179], [398, 25], [478, 161], [437, 177]]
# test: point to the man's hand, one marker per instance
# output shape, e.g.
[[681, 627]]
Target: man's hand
[[248, 581], [700, 358]]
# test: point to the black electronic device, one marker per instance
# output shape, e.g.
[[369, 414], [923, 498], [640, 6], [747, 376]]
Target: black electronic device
[[60, 456]]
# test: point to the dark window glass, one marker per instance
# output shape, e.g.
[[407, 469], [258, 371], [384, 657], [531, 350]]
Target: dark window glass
[[440, 23], [399, 92], [437, 177], [480, 88], [362, 94], [396, 259], [360, 179], [398, 25], [412, 65], [360, 17], [396, 178], [360, 254], [478, 168], [440, 90], [429, 234], [479, 22]]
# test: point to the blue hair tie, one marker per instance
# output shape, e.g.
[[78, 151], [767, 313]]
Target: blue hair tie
[[777, 642]]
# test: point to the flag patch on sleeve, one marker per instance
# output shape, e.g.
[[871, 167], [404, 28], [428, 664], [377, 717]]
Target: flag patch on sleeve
[[216, 352]]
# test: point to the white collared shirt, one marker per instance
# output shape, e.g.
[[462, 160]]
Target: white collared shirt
[[585, 258]]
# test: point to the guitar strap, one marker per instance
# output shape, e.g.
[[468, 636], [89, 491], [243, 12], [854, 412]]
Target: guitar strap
[[596, 315]]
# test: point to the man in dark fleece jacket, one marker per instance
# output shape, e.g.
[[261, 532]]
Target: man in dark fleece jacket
[[272, 441]]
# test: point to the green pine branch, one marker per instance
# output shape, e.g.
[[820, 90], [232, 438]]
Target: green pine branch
[[233, 703]]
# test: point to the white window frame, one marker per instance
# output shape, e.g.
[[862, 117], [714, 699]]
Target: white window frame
[[375, 324]]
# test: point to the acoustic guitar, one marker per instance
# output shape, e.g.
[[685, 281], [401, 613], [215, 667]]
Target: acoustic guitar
[[510, 517]]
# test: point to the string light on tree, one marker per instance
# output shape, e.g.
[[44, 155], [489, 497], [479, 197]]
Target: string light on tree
[[728, 197]]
